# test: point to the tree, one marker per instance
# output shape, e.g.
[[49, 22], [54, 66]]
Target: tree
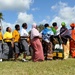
[[1, 18], [40, 27]]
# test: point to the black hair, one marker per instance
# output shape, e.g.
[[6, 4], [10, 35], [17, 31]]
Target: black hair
[[7, 29], [24, 25], [46, 25], [16, 26], [54, 24]]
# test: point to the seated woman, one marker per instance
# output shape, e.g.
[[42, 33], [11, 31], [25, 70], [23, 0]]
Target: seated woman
[[7, 46], [36, 45]]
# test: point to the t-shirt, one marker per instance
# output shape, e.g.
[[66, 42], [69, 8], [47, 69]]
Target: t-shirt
[[54, 30], [7, 35], [1, 36], [24, 32], [46, 34], [16, 36]]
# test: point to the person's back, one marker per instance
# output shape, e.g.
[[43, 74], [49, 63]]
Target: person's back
[[46, 34]]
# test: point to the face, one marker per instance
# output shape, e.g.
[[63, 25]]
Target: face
[[0, 28], [26, 27], [19, 28], [56, 27], [9, 29]]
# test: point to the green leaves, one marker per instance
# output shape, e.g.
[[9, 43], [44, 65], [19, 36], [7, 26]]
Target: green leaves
[[1, 16]]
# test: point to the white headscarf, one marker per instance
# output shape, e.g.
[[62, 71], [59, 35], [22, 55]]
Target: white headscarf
[[34, 31]]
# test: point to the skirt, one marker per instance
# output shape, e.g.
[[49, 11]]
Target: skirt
[[7, 50]]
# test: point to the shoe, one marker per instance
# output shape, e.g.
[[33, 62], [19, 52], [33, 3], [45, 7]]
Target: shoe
[[24, 60], [0, 60]]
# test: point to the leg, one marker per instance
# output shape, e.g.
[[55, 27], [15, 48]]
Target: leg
[[16, 45]]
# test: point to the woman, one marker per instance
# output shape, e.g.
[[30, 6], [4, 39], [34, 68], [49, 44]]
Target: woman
[[72, 41], [64, 33], [36, 45], [24, 42], [7, 46], [1, 38], [47, 44], [16, 38]]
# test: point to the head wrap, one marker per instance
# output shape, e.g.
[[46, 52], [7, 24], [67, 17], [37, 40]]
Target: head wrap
[[72, 25], [34, 25], [63, 24]]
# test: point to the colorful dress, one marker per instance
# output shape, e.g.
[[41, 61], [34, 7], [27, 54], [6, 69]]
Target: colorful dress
[[47, 45], [64, 33], [72, 43]]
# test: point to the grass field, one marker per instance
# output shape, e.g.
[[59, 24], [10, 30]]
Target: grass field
[[55, 67]]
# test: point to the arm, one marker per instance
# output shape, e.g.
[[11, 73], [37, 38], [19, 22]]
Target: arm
[[24, 36]]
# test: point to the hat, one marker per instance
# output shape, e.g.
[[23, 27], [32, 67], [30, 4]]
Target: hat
[[63, 24], [72, 25]]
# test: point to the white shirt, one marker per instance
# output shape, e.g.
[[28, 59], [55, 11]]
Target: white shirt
[[24, 32]]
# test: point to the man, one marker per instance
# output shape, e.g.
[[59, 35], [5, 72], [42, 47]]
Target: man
[[1, 37], [24, 37], [16, 37]]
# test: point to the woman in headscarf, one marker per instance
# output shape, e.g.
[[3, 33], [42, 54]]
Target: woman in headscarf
[[36, 45], [72, 41], [64, 33], [7, 46]]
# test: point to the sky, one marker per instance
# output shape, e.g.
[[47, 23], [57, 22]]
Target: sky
[[37, 11]]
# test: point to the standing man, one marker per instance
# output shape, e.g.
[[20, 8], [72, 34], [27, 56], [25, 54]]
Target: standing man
[[24, 36], [1, 37], [16, 37]]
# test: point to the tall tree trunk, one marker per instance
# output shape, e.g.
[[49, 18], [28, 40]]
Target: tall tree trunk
[[1, 26]]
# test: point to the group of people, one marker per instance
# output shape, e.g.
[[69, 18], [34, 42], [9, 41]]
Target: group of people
[[13, 43]]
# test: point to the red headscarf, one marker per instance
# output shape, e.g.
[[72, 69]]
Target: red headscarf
[[72, 25]]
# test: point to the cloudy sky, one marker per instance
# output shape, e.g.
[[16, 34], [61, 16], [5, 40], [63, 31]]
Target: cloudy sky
[[39, 11]]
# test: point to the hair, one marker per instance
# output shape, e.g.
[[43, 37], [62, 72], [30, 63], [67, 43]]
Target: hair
[[7, 29], [54, 24], [46, 25], [24, 25], [16, 26]]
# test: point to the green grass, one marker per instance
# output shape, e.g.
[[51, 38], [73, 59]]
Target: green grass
[[55, 67]]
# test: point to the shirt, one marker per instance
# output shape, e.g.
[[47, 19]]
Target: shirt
[[16, 36], [7, 35], [34, 33], [24, 32], [54, 30], [1, 36], [46, 34]]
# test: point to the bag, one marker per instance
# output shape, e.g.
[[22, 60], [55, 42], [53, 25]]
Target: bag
[[58, 52]]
